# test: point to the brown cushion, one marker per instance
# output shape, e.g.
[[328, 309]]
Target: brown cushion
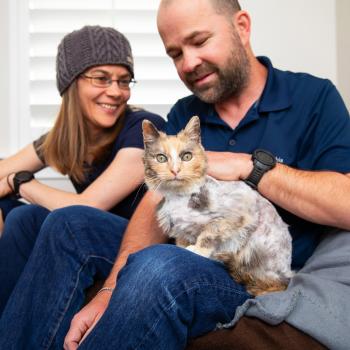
[[253, 334]]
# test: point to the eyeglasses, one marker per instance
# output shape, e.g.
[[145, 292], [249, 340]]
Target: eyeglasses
[[105, 82]]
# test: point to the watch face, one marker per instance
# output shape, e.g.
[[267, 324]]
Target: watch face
[[23, 176], [265, 157]]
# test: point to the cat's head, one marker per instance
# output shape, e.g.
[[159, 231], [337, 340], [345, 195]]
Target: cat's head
[[175, 163]]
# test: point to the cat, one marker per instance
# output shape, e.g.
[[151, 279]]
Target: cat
[[223, 220]]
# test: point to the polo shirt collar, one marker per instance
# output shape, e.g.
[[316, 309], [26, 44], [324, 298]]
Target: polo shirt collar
[[276, 95]]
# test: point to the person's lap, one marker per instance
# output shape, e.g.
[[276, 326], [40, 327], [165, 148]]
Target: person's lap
[[176, 294], [74, 245], [164, 295]]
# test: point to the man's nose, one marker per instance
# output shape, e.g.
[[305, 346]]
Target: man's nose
[[190, 61]]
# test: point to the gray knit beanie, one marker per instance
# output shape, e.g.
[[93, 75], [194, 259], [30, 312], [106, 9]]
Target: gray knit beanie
[[87, 47]]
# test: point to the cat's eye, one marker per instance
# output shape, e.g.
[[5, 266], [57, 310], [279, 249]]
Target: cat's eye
[[161, 158], [186, 156]]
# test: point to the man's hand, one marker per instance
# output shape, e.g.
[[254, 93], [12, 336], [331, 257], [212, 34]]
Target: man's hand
[[85, 320], [228, 166]]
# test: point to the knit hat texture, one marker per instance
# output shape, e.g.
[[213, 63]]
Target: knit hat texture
[[87, 47]]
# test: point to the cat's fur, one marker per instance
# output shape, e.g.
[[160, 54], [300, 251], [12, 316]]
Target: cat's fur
[[222, 220]]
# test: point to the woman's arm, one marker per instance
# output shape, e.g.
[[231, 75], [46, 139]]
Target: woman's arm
[[25, 159], [122, 176]]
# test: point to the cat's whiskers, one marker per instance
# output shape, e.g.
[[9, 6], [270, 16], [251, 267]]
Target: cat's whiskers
[[142, 185], [157, 187]]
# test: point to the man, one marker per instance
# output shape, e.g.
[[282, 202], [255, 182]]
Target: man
[[166, 295], [238, 97]]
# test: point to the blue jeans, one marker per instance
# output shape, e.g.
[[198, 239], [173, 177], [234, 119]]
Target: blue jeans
[[74, 245], [164, 295], [7, 204], [21, 228]]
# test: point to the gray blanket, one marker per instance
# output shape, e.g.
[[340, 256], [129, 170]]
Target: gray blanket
[[317, 300]]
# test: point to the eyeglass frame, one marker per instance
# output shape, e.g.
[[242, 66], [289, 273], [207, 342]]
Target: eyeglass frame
[[109, 82]]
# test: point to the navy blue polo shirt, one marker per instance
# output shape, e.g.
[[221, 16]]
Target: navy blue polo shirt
[[129, 136], [299, 118]]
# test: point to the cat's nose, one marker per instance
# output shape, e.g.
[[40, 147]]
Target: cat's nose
[[175, 171]]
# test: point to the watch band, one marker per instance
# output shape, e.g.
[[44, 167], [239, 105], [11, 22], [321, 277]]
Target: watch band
[[254, 177]]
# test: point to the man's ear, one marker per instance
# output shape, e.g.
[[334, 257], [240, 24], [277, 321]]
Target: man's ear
[[150, 132], [242, 23]]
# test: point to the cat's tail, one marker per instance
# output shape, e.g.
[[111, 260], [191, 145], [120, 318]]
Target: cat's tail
[[257, 286], [263, 287]]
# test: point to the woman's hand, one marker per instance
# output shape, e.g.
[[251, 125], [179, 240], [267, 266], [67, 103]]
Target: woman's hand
[[5, 189], [85, 320]]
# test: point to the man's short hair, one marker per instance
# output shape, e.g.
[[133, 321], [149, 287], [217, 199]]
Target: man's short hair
[[227, 7]]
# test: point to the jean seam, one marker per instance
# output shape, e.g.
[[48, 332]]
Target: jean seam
[[53, 331], [85, 259], [172, 303]]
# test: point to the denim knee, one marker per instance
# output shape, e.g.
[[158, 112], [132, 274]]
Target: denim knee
[[24, 222], [166, 267], [65, 221], [22, 214], [7, 204], [84, 214], [83, 230]]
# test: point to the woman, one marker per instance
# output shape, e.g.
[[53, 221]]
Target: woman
[[96, 140]]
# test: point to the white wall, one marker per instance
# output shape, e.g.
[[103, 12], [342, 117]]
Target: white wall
[[4, 64], [343, 48], [298, 35]]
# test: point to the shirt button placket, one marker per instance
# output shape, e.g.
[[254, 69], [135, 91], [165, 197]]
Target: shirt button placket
[[232, 142]]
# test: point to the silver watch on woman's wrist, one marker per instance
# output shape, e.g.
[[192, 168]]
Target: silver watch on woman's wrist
[[263, 161]]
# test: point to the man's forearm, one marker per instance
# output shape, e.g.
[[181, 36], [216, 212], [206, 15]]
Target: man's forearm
[[142, 231], [318, 196]]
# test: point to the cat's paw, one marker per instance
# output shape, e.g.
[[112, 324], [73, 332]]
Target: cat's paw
[[198, 250]]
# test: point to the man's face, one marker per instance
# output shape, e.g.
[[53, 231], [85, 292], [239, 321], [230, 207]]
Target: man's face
[[206, 49]]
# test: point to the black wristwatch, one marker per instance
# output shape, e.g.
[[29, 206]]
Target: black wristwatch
[[20, 178], [263, 161]]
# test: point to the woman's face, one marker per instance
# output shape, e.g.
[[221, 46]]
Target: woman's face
[[102, 106]]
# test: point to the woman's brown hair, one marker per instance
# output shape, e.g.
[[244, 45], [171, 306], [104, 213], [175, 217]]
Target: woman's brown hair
[[69, 147]]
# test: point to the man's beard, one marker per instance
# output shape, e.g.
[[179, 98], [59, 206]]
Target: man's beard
[[230, 81]]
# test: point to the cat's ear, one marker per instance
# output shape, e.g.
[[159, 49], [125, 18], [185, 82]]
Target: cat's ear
[[193, 129], [150, 132]]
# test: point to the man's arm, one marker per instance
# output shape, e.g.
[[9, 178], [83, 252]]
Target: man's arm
[[318, 196], [322, 197], [142, 231]]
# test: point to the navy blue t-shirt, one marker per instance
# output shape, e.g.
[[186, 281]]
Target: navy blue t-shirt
[[129, 136], [299, 118]]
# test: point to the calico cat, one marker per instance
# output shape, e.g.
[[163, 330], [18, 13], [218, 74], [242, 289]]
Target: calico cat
[[223, 220]]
